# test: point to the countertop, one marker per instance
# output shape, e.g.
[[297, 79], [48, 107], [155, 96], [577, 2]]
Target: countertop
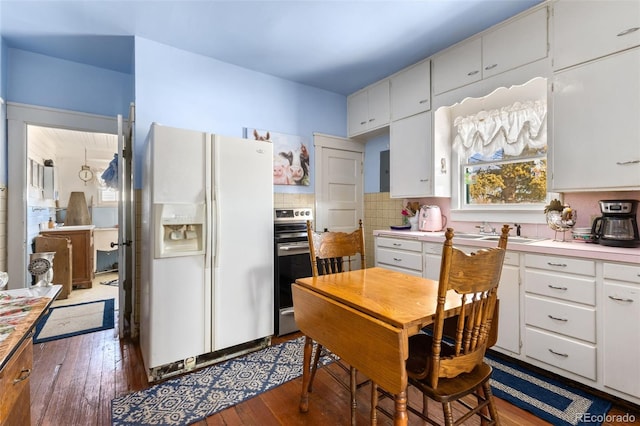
[[70, 228], [543, 246], [20, 310]]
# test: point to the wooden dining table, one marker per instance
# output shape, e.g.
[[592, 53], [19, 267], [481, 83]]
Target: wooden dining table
[[366, 317]]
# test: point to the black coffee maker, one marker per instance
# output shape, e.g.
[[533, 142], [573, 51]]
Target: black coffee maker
[[617, 226]]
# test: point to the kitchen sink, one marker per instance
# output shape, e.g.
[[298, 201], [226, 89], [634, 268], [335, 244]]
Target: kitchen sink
[[512, 239], [468, 236], [484, 237]]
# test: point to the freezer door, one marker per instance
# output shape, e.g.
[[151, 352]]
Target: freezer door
[[178, 163], [243, 264]]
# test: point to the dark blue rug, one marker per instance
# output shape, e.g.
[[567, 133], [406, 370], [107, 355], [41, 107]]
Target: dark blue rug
[[546, 398], [73, 320], [202, 393]]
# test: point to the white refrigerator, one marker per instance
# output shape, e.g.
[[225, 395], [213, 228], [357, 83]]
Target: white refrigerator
[[207, 252]]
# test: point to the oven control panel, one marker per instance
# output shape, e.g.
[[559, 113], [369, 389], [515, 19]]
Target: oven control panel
[[293, 215]]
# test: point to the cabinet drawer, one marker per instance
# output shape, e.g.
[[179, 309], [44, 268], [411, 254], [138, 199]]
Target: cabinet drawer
[[432, 248], [557, 317], [561, 264], [399, 244], [565, 287], [615, 271], [15, 395], [511, 258], [400, 259], [569, 355]]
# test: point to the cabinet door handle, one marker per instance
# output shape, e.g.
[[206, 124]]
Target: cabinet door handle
[[362, 123], [490, 67], [624, 163], [556, 287], [372, 119], [620, 299], [557, 319], [562, 265], [628, 31], [397, 259], [474, 72], [397, 245], [423, 101], [24, 375], [558, 353], [424, 180]]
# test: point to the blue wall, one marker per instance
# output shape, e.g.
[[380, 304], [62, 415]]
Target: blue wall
[[372, 162], [41, 80], [181, 89]]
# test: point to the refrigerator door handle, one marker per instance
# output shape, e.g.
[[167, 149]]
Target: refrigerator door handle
[[209, 203]]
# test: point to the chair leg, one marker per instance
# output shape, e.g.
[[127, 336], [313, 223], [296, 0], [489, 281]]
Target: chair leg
[[374, 403], [486, 387], [352, 388], [314, 365], [425, 406], [448, 413]]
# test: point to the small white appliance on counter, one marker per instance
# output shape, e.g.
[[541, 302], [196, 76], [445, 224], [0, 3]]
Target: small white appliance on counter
[[431, 219], [207, 224]]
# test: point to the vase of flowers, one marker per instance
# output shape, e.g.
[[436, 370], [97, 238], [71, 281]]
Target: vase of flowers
[[410, 215]]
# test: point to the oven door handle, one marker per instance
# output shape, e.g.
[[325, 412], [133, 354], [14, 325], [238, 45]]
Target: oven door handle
[[287, 311], [298, 247]]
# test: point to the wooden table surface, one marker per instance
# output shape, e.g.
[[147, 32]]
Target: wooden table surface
[[400, 300]]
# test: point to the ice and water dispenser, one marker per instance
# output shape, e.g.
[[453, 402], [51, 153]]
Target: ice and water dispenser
[[180, 229]]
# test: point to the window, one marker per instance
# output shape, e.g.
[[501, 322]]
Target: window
[[504, 179], [500, 155]]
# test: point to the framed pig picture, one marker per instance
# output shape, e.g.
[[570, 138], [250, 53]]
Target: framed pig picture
[[290, 156]]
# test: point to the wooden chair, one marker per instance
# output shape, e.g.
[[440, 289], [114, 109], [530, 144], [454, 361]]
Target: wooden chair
[[447, 368], [330, 253]]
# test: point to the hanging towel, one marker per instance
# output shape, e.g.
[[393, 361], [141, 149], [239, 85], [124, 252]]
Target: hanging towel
[[110, 175]]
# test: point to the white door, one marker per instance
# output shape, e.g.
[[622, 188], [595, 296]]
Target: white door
[[339, 183], [126, 220]]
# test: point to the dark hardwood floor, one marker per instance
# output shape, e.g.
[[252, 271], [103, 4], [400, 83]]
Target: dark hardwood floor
[[74, 380]]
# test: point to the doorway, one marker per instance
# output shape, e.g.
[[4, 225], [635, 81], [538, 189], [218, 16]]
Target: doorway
[[21, 119], [78, 163]]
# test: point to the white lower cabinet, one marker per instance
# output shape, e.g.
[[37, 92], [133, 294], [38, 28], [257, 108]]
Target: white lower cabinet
[[578, 318], [560, 313], [508, 293], [621, 328], [398, 254]]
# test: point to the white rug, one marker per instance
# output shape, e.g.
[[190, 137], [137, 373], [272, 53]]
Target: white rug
[[72, 320]]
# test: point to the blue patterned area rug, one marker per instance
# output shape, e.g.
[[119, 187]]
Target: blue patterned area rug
[[546, 398], [202, 393]]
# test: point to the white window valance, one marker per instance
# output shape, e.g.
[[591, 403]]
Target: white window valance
[[512, 128]]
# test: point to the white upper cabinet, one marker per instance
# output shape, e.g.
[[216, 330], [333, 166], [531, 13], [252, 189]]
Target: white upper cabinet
[[410, 157], [458, 67], [368, 109], [411, 91], [518, 43], [595, 125], [588, 29], [514, 44]]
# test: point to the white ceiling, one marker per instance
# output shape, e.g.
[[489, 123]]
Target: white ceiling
[[337, 45], [99, 147]]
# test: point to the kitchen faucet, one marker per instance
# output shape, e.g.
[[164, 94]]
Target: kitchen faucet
[[486, 228]]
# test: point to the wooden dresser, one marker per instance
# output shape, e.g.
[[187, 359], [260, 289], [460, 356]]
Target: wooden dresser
[[82, 252], [16, 348]]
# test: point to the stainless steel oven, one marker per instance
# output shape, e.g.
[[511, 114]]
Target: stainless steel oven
[[291, 262]]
